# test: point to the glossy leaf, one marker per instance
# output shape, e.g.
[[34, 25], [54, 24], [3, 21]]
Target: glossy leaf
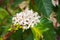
[[43, 6], [49, 34]]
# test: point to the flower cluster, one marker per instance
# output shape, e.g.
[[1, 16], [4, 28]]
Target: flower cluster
[[26, 19]]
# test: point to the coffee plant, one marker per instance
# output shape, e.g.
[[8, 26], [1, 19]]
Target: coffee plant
[[29, 20]]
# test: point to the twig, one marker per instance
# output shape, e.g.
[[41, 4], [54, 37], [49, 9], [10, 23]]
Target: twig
[[7, 9], [32, 2], [8, 34]]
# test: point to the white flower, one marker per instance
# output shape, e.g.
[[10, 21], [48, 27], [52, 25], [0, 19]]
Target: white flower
[[27, 19], [55, 2]]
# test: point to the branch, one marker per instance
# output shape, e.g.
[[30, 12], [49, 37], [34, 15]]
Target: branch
[[32, 2], [8, 35], [7, 9]]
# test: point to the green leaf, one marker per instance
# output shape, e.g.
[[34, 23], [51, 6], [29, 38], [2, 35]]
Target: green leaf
[[4, 17], [42, 24], [17, 35], [58, 14], [4, 3], [3, 13], [44, 29], [43, 6], [4, 30], [58, 31], [27, 35], [49, 34], [37, 33], [16, 2]]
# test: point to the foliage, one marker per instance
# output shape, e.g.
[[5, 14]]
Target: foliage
[[42, 31]]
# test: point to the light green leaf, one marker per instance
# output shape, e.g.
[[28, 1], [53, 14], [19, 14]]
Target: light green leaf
[[3, 13], [37, 33]]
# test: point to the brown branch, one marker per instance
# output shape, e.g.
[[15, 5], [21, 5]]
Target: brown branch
[[8, 34], [1, 2], [7, 9], [11, 1], [32, 2]]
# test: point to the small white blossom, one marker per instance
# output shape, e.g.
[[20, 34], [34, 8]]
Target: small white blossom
[[27, 18], [55, 2]]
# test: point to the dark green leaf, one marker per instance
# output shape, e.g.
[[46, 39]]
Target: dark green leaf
[[4, 30], [27, 35], [17, 35], [58, 14], [16, 2], [43, 6]]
